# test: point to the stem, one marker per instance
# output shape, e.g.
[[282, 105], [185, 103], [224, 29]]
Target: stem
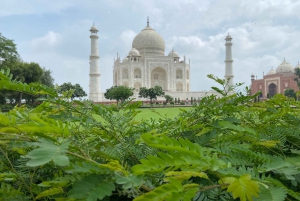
[[14, 171], [212, 187], [78, 156], [16, 139]]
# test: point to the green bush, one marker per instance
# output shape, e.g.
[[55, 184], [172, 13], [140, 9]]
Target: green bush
[[223, 149]]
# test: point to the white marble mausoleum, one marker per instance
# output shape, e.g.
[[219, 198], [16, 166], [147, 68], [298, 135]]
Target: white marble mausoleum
[[147, 66]]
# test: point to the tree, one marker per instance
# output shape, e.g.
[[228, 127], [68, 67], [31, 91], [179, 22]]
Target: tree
[[71, 91], [21, 71], [118, 93], [168, 98], [8, 52], [47, 78], [290, 93], [151, 93]]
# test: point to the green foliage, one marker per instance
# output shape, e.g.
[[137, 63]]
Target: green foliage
[[151, 93], [290, 93], [119, 93], [71, 91], [168, 98], [225, 148], [8, 51], [91, 188], [242, 187], [47, 152]]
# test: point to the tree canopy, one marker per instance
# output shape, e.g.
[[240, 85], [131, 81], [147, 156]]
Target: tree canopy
[[290, 93], [151, 93], [8, 52], [168, 98], [27, 72], [71, 91], [118, 93]]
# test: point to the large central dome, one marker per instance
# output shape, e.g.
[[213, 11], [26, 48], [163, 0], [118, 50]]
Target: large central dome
[[149, 41]]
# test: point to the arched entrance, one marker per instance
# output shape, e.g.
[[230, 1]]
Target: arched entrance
[[137, 86], [137, 73], [159, 78], [272, 90], [179, 87]]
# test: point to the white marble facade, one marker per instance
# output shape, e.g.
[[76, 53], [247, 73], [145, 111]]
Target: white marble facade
[[147, 66]]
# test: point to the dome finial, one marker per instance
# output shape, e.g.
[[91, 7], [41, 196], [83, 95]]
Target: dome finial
[[284, 58], [147, 21]]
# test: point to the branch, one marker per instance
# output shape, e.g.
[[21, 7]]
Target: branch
[[213, 186]]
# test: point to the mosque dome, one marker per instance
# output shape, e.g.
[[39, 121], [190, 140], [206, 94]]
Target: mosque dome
[[134, 52], [173, 54], [298, 66], [271, 72], [150, 41], [285, 67]]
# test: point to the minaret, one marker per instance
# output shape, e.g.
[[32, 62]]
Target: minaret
[[228, 61], [94, 94]]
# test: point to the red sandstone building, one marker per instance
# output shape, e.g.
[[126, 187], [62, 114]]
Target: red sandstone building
[[275, 82]]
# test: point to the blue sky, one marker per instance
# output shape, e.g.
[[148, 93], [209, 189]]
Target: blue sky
[[55, 34]]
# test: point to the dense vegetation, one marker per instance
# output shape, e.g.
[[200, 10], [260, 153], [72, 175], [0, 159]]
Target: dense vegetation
[[224, 149], [27, 72]]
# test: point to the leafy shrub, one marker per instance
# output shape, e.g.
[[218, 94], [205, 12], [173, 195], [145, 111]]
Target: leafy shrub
[[222, 149]]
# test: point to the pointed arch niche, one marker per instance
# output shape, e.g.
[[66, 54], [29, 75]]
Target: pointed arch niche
[[178, 74], [137, 86], [179, 86], [125, 73], [137, 73], [159, 78]]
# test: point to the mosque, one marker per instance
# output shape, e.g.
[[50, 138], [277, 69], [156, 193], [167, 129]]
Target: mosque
[[275, 81], [147, 66]]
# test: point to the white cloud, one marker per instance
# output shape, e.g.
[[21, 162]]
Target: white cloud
[[49, 41], [126, 39], [29, 7], [263, 34]]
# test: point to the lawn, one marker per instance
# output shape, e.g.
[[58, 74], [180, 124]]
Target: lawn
[[156, 113]]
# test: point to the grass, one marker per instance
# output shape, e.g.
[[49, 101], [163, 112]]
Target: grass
[[156, 113]]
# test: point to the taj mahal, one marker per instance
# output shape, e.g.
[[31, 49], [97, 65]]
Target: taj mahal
[[147, 66]]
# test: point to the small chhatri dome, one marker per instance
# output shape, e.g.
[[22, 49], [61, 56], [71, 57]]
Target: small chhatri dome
[[125, 59], [285, 67], [149, 41], [134, 52], [271, 72], [173, 54]]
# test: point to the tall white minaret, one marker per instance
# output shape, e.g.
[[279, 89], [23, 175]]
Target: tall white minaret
[[94, 93], [228, 61]]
